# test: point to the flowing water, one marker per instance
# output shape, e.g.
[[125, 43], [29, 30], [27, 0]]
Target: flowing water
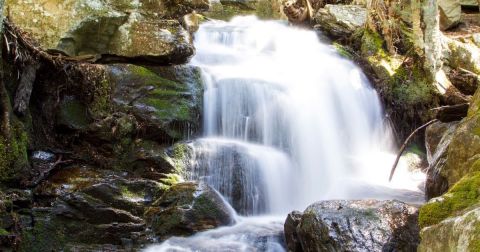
[[287, 122]]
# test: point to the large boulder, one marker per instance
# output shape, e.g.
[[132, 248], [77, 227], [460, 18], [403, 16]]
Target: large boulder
[[122, 29], [367, 225], [340, 21], [187, 208]]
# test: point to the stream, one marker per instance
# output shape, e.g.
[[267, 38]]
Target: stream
[[287, 122]]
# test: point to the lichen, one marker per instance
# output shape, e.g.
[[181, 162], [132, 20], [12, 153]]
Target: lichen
[[475, 242], [461, 196]]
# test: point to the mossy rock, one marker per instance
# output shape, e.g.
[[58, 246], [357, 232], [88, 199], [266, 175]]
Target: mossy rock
[[73, 114], [14, 163], [458, 233], [168, 109], [463, 195], [187, 208]]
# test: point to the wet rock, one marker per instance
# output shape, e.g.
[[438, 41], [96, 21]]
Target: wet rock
[[290, 228], [458, 233], [168, 110], [188, 208], [367, 225], [73, 114], [340, 21], [438, 136]]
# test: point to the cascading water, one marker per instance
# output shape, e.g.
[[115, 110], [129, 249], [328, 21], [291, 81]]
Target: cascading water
[[287, 122]]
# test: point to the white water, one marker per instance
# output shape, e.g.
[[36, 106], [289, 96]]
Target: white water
[[287, 123]]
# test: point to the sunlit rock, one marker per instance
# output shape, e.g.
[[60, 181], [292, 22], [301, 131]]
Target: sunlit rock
[[340, 21], [365, 225]]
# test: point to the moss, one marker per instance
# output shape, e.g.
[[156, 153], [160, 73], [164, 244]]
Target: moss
[[101, 104], [3, 232], [127, 193], [13, 152], [475, 242], [372, 44], [342, 50], [461, 196], [170, 180], [74, 114]]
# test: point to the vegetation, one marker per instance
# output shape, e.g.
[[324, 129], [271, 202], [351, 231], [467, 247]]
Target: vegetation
[[461, 196]]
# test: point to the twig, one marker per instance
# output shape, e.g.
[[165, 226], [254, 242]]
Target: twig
[[402, 149]]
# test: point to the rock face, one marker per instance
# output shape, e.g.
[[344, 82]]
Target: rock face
[[187, 208], [437, 139], [340, 21], [460, 233], [120, 29], [367, 225]]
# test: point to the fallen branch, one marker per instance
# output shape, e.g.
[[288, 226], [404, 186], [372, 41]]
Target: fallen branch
[[402, 149], [451, 113], [44, 175]]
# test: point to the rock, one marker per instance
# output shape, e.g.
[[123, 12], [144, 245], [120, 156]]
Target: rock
[[290, 229], [450, 13], [438, 137], [169, 110], [367, 225], [461, 55], [469, 3], [264, 9], [340, 21], [117, 31], [226, 167], [191, 22], [188, 208], [460, 198], [459, 233], [73, 114]]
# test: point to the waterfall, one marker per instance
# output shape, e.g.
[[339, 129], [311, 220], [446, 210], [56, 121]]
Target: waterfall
[[287, 122]]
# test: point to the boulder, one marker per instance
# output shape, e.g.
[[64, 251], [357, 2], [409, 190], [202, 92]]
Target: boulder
[[340, 21], [117, 30], [366, 225], [168, 107], [459, 233], [290, 229], [187, 208], [450, 13]]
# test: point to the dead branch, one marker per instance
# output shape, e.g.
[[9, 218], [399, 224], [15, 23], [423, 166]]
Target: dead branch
[[402, 149]]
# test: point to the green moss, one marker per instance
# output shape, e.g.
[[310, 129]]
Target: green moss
[[3, 232], [127, 193], [372, 44], [475, 242], [101, 104], [462, 195], [343, 51], [13, 152], [74, 114]]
